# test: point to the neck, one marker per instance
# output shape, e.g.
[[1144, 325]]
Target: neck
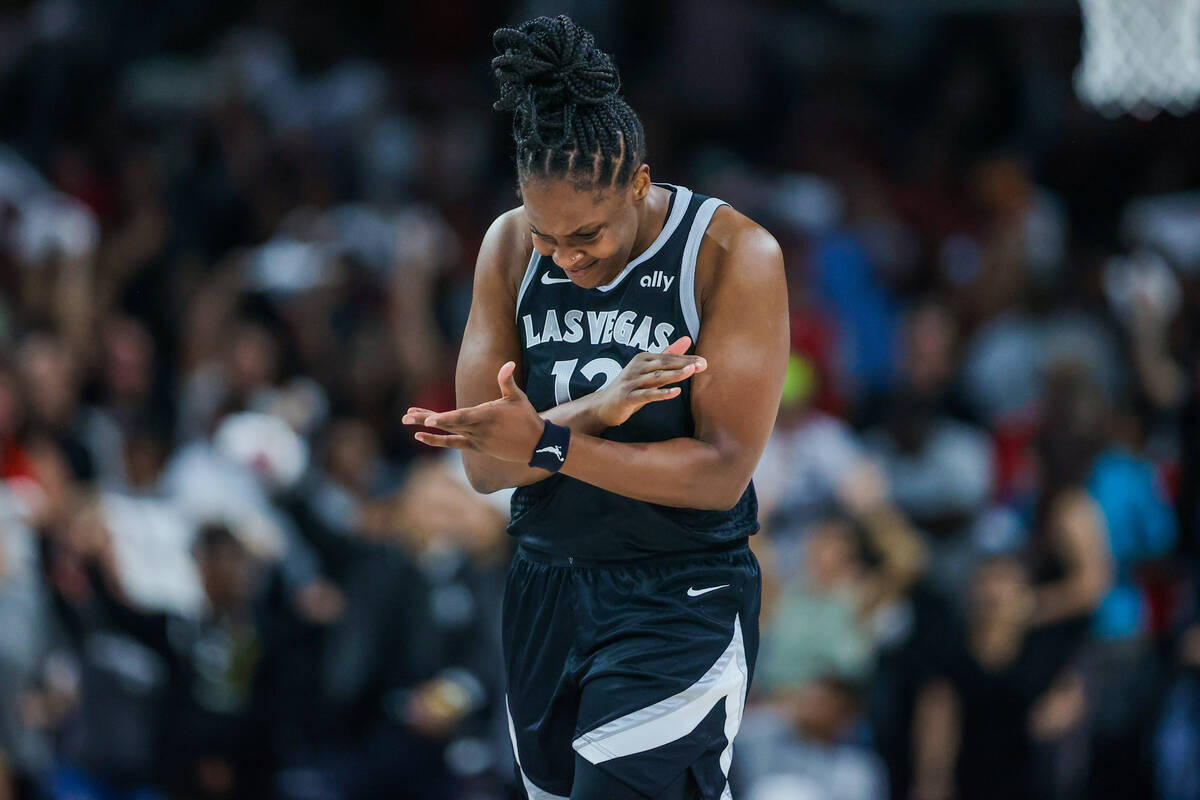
[[652, 217]]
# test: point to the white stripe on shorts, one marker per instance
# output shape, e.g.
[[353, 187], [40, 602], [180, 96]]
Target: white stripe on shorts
[[678, 715]]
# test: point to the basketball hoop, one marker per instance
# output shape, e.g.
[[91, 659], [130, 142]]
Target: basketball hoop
[[1140, 57]]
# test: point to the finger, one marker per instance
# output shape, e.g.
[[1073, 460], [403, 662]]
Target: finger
[[458, 419], [679, 346], [651, 395], [662, 377], [508, 384], [417, 416], [452, 442], [674, 361]]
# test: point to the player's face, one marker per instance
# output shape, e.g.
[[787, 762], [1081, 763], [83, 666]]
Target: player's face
[[589, 233]]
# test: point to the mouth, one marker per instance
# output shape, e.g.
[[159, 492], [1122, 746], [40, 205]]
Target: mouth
[[573, 271]]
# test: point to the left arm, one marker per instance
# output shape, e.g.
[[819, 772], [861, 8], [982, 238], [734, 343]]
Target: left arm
[[745, 343]]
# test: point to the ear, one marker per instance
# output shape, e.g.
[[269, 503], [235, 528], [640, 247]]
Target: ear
[[640, 185]]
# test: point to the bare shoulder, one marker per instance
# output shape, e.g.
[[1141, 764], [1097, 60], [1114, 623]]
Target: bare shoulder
[[506, 248], [1076, 518], [737, 248], [1074, 505]]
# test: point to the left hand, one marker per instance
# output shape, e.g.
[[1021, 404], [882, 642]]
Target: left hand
[[507, 429]]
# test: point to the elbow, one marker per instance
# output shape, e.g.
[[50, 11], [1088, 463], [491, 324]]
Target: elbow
[[910, 569], [712, 504], [1086, 590], [482, 483], [724, 495], [914, 561], [1095, 589], [482, 479]]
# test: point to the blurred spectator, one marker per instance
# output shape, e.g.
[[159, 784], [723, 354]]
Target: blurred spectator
[[24, 618], [975, 725], [151, 534], [187, 702], [409, 643], [1070, 557], [89, 440], [939, 469], [819, 642], [130, 390], [804, 751], [1118, 665], [1176, 746], [853, 568], [249, 369]]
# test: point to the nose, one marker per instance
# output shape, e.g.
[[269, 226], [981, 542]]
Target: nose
[[567, 259]]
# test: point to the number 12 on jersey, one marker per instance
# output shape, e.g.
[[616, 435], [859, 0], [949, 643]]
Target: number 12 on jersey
[[609, 368]]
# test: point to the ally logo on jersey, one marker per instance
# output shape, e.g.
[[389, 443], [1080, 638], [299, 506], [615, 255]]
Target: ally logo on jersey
[[657, 280]]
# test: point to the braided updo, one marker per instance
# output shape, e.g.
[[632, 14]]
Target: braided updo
[[568, 120]]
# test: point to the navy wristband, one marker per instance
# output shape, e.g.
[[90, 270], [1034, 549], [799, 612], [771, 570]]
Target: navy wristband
[[551, 450]]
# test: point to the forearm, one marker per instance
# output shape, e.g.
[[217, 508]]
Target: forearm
[[936, 731], [1077, 526], [899, 547], [683, 472], [1161, 377], [488, 474], [1065, 599], [901, 557]]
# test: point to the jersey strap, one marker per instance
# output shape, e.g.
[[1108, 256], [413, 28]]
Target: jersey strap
[[687, 269]]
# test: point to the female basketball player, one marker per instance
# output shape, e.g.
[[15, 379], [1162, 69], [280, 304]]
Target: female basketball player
[[631, 612]]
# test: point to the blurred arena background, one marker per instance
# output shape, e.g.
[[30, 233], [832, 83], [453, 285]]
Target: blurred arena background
[[237, 241]]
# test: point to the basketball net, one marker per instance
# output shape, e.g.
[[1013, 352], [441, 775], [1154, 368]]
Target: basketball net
[[1140, 56]]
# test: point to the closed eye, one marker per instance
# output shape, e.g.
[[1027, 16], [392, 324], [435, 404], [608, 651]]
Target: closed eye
[[578, 236]]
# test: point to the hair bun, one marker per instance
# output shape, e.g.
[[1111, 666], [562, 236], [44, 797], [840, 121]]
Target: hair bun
[[547, 65]]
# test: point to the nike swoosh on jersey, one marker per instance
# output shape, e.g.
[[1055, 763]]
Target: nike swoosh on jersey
[[546, 279], [694, 592]]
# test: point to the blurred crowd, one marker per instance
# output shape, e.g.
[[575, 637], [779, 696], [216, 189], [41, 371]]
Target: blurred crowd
[[237, 240]]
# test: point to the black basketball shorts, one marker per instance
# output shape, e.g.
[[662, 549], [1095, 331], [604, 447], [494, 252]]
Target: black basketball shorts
[[639, 667]]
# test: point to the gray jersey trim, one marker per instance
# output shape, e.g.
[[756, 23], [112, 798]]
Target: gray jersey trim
[[687, 270], [683, 197], [529, 271]]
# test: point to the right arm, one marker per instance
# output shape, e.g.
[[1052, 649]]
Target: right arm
[[1077, 525], [902, 554], [491, 339]]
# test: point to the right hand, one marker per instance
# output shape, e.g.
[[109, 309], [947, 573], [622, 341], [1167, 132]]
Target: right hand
[[646, 379]]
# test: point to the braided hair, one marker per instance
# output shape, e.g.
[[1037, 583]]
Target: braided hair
[[568, 120]]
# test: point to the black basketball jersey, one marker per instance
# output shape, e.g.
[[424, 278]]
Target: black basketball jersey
[[575, 341]]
